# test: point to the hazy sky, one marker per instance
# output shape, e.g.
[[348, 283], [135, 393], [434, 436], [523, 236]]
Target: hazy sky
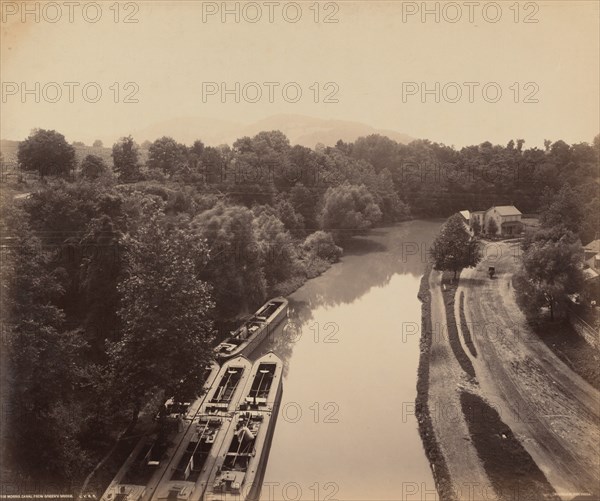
[[373, 53]]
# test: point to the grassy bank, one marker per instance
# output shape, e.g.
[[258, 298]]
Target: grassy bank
[[511, 470], [449, 292], [441, 475], [464, 326]]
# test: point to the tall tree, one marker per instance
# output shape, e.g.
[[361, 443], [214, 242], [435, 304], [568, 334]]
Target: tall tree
[[551, 269], [305, 201], [125, 154], [292, 220], [276, 246], [47, 152], [454, 248], [165, 314], [167, 155]]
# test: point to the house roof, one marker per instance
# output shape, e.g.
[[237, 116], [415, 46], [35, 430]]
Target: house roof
[[507, 210], [466, 214], [589, 274], [593, 246]]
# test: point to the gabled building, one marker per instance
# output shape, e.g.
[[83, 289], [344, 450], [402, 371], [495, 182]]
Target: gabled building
[[506, 217]]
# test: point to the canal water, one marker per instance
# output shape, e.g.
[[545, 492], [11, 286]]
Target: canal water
[[346, 428]]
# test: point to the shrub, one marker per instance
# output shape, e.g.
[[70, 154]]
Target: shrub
[[321, 244]]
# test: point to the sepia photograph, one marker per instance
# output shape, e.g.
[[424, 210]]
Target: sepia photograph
[[302, 250]]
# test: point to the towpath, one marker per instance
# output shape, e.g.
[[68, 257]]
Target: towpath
[[446, 379], [551, 409]]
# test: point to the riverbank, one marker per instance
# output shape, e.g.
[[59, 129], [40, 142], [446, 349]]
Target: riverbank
[[463, 473], [439, 469]]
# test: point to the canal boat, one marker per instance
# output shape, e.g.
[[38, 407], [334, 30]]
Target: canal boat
[[240, 466], [186, 477], [246, 338], [228, 387], [145, 466]]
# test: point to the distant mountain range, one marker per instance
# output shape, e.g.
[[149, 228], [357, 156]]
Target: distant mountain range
[[300, 129]]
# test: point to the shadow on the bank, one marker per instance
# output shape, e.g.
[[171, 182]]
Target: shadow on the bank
[[359, 246]]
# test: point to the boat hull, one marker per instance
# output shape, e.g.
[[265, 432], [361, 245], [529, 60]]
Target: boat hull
[[143, 490], [254, 492], [266, 329], [240, 476]]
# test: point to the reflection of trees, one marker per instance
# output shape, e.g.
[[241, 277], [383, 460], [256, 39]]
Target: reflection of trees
[[369, 261]]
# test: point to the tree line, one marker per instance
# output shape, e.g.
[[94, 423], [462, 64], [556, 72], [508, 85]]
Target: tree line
[[121, 277]]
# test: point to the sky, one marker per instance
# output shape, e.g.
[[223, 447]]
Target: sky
[[495, 71]]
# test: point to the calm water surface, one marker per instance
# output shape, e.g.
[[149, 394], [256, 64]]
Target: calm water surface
[[346, 428]]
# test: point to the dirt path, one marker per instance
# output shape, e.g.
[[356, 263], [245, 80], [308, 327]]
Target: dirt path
[[446, 378], [552, 410]]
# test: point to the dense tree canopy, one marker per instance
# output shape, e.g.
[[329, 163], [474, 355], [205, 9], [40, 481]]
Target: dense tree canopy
[[167, 155], [165, 314], [92, 167], [348, 210], [322, 245], [114, 280], [47, 152], [235, 266], [551, 269], [563, 208], [44, 359]]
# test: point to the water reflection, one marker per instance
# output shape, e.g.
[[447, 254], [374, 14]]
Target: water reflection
[[371, 261], [350, 374]]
